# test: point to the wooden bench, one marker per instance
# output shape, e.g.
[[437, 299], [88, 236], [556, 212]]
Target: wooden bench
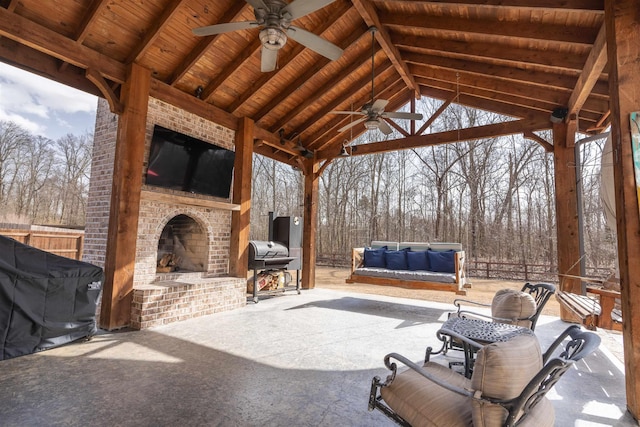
[[593, 311]]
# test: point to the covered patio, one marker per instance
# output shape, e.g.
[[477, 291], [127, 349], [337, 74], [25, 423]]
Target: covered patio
[[566, 67], [304, 360]]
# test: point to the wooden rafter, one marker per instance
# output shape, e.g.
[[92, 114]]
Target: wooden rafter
[[152, 33], [533, 78], [520, 93], [493, 51], [528, 4], [54, 44], [335, 104], [392, 85], [321, 91], [89, 18], [593, 68], [370, 16], [495, 106], [533, 30], [202, 47]]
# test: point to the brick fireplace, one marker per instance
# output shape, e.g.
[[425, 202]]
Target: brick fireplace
[[194, 229]]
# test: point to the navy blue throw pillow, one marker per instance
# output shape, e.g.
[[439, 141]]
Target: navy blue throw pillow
[[396, 260], [442, 261], [374, 257], [417, 260]]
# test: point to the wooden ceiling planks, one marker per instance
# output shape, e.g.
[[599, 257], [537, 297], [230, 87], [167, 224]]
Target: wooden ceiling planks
[[516, 57]]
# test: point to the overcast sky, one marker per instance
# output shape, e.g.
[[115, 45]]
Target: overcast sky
[[44, 107]]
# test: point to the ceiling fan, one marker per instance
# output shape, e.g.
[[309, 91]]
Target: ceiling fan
[[275, 17], [373, 111]]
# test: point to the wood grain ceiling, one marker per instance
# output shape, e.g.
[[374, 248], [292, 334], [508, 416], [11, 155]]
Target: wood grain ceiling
[[520, 58]]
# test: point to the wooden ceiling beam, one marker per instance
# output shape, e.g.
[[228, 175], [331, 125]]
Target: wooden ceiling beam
[[459, 135], [552, 59], [593, 68], [42, 39], [367, 11], [153, 32], [285, 60], [322, 91], [329, 132], [535, 30], [344, 97], [577, 5], [89, 18], [491, 105], [509, 98], [39, 63], [307, 76], [513, 74], [401, 96], [232, 14], [519, 90]]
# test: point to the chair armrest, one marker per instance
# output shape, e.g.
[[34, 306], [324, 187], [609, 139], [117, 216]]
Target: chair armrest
[[415, 367], [458, 301], [603, 292]]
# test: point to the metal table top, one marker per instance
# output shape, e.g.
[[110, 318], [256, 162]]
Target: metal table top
[[483, 331]]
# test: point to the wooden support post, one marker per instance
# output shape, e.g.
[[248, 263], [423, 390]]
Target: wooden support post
[[310, 218], [117, 290], [241, 219], [566, 207], [623, 32]]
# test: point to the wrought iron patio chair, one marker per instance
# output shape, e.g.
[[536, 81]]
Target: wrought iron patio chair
[[507, 388], [522, 308]]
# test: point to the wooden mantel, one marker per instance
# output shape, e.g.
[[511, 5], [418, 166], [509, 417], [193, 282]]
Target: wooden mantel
[[157, 196]]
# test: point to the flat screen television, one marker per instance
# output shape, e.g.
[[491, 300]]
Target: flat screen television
[[184, 163]]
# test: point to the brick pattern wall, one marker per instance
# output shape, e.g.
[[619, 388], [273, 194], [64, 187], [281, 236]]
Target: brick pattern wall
[[215, 291], [99, 197], [167, 302]]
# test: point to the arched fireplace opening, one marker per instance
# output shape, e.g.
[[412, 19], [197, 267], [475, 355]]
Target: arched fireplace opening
[[183, 246]]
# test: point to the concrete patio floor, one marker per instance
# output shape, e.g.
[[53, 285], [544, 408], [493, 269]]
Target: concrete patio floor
[[290, 360]]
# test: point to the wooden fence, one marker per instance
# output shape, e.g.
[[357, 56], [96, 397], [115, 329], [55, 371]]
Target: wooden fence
[[66, 244]]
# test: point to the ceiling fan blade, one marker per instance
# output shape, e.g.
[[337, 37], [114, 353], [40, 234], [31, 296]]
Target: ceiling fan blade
[[402, 115], [315, 43], [257, 4], [224, 28], [384, 127], [378, 105], [348, 112], [352, 124], [268, 60], [299, 8]]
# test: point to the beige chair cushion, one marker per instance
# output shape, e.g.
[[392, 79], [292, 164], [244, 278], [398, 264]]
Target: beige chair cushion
[[424, 403], [501, 371], [513, 304]]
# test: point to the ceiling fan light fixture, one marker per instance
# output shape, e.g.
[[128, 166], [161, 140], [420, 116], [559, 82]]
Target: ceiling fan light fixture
[[273, 38], [371, 124]]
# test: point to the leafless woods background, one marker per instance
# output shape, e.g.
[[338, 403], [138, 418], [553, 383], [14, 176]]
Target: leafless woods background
[[495, 196]]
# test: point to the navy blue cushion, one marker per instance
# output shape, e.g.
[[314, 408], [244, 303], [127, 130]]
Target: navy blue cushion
[[374, 257], [442, 261], [396, 260], [417, 260]]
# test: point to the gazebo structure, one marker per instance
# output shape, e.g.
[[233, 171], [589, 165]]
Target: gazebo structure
[[569, 66]]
